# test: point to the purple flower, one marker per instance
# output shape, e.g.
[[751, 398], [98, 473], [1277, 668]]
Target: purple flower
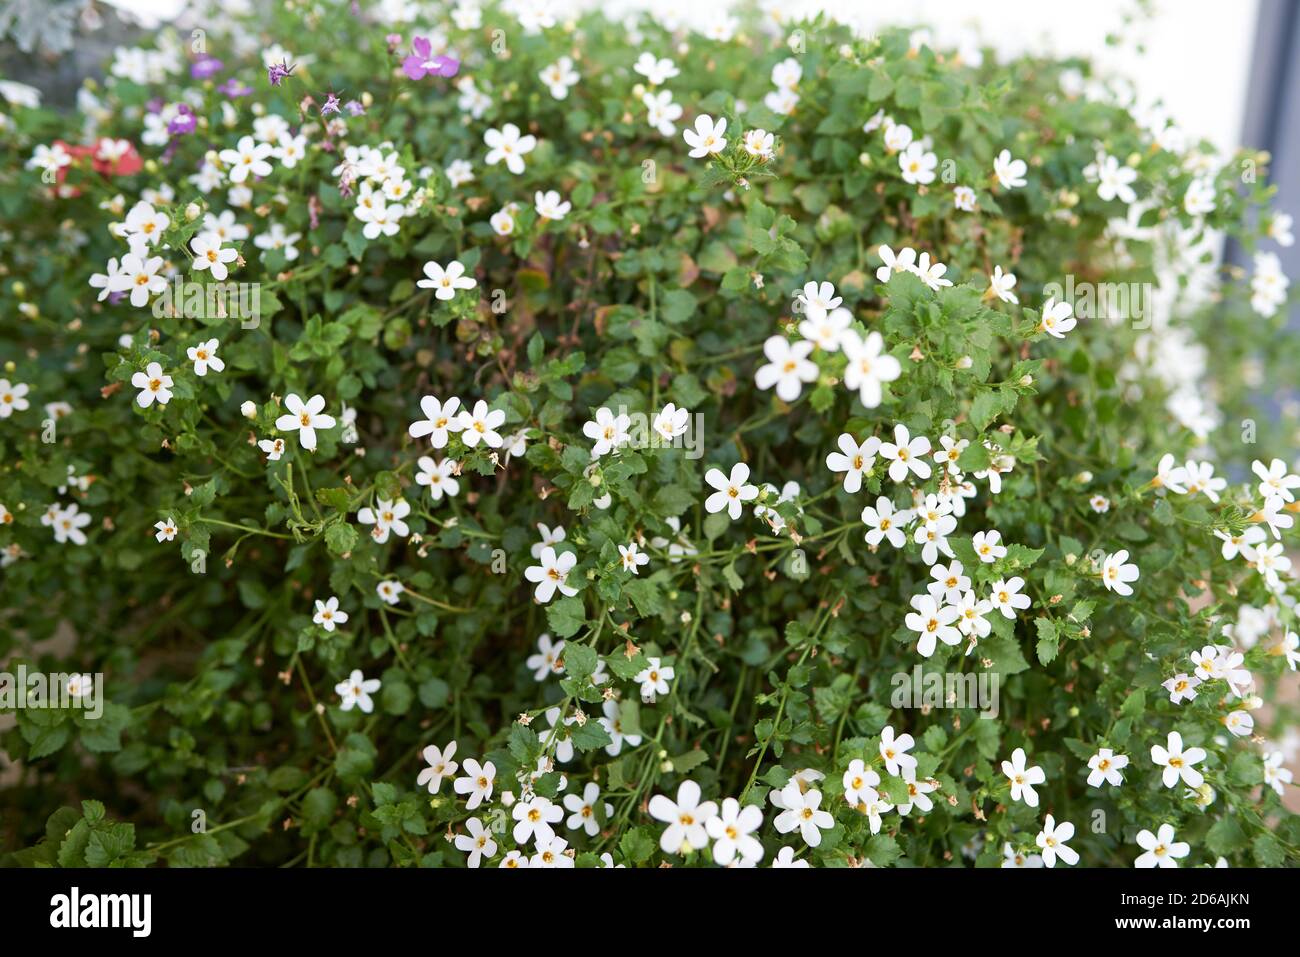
[[184, 122], [233, 89], [355, 108], [331, 105], [205, 67], [422, 63], [276, 72]]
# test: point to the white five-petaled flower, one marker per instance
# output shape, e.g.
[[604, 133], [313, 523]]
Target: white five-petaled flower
[[1052, 840], [139, 274], [204, 356], [1105, 766], [670, 422], [480, 425], [445, 282], [247, 158], [803, 813], [559, 76], [917, 164], [656, 70], [732, 490], [551, 574], [707, 138], [1161, 848], [788, 367], [440, 766], [211, 256], [304, 418], [608, 431], [894, 751], [1023, 778], [859, 781], [166, 530], [582, 809], [687, 819], [654, 678], [1113, 181], [988, 546], [906, 454], [153, 384], [1275, 481], [933, 623], [506, 144], [732, 831], [546, 661], [869, 366], [1117, 572], [1001, 285], [1009, 172], [440, 420], [328, 615], [886, 522], [817, 299], [853, 459], [389, 591], [477, 843], [1056, 319], [356, 692], [631, 557], [1177, 762], [477, 782], [533, 819], [440, 477]]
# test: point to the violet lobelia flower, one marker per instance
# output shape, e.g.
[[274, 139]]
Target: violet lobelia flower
[[331, 105], [355, 108], [205, 67], [184, 122], [233, 89], [422, 62], [277, 72]]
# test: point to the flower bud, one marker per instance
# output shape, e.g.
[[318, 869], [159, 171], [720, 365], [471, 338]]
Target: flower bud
[[249, 410]]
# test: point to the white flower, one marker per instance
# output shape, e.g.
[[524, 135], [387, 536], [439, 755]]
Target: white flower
[[1240, 723], [140, 275], [480, 425], [1177, 762], [1268, 561], [988, 546], [551, 574], [1279, 229], [662, 112], [389, 591], [477, 782], [670, 422], [817, 299], [276, 238], [1182, 687], [781, 101], [859, 782], [459, 172], [898, 136], [166, 529], [827, 329], [1057, 318], [1169, 475], [1275, 480], [853, 459], [1199, 198], [970, 616], [583, 809], [788, 367], [785, 858], [153, 386], [439, 476], [1200, 478], [1052, 840], [356, 692], [440, 766], [328, 616], [612, 722], [631, 558], [68, 524], [13, 396], [304, 418], [963, 198], [918, 794], [932, 273], [506, 144], [1106, 766], [1023, 779], [655, 70], [274, 448], [1010, 172], [654, 678], [758, 143], [707, 137], [1116, 573], [546, 661], [917, 164], [1001, 285], [1161, 848], [732, 490], [549, 538], [533, 819], [1013, 858], [559, 76], [608, 431], [477, 843], [204, 357], [803, 814], [550, 206], [145, 224], [1113, 181], [247, 158], [732, 829], [440, 420], [868, 366], [687, 819], [894, 751], [885, 523], [446, 281], [932, 623], [950, 582], [113, 279], [1276, 776], [906, 454], [904, 261]]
